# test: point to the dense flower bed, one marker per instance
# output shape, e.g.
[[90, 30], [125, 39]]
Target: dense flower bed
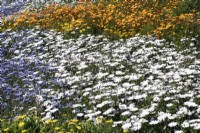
[[114, 19], [140, 84], [60, 70]]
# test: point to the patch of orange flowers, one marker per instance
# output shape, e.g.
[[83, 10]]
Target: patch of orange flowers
[[120, 19]]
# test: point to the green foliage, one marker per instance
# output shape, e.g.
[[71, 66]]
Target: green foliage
[[33, 124]]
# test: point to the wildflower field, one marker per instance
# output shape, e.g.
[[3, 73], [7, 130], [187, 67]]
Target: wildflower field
[[107, 66]]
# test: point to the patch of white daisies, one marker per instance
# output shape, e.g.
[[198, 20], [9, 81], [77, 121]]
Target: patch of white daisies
[[139, 81]]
